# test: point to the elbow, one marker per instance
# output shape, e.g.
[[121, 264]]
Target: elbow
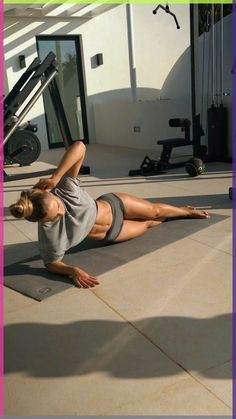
[[80, 147], [48, 266], [80, 144]]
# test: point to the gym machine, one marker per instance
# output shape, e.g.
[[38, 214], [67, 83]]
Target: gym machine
[[21, 145], [153, 167]]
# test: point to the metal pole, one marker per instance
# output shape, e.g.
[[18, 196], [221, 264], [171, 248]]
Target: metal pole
[[29, 105], [194, 38], [213, 52], [192, 50], [222, 51], [130, 31]]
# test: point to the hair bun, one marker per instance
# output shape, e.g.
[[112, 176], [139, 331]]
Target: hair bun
[[19, 208], [31, 205], [22, 209]]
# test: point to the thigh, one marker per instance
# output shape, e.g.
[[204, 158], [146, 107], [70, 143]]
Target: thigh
[[131, 229], [135, 207]]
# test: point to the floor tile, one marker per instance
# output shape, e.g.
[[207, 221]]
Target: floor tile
[[183, 294], [76, 356], [218, 382], [186, 398]]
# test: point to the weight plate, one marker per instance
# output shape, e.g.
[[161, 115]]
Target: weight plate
[[23, 147]]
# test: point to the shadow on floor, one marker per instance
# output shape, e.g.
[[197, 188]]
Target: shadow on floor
[[84, 347]]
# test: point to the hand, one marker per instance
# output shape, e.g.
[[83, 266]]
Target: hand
[[48, 183], [82, 279]]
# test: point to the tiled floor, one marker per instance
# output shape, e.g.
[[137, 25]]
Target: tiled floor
[[154, 338]]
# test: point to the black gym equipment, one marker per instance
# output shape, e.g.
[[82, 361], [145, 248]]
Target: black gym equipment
[[167, 10], [217, 116], [22, 145], [195, 167], [153, 167]]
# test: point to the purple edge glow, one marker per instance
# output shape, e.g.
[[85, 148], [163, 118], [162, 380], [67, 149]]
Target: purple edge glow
[[234, 206], [1, 212]]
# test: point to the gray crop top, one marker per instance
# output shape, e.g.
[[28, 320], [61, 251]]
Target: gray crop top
[[56, 237]]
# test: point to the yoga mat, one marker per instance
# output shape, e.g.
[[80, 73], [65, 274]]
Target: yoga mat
[[25, 272]]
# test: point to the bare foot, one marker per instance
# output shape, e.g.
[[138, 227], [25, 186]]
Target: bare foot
[[196, 213]]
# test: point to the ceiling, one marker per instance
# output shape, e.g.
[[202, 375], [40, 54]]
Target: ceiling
[[50, 10]]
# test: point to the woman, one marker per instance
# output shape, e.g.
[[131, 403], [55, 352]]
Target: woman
[[66, 214]]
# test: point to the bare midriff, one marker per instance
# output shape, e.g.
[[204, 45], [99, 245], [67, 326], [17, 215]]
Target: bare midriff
[[103, 220]]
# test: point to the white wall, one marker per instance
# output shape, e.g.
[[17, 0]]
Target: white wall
[[115, 123], [158, 45]]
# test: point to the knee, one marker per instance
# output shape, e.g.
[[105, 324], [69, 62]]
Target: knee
[[148, 224], [156, 211]]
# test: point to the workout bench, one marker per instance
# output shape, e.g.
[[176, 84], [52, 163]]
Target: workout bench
[[171, 143], [153, 167]]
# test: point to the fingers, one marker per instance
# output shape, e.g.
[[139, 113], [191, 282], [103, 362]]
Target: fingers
[[89, 282], [41, 184], [45, 184]]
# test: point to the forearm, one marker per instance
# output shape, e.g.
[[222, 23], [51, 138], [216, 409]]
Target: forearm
[[60, 268], [73, 155]]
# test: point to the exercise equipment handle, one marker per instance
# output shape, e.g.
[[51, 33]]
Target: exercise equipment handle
[[167, 10], [29, 106], [179, 122]]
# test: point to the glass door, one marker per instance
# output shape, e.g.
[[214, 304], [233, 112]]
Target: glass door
[[70, 84]]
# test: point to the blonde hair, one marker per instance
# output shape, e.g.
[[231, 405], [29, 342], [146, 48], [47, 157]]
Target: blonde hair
[[32, 205]]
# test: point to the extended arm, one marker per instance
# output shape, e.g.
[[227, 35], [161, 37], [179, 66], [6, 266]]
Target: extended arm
[[81, 278], [70, 164]]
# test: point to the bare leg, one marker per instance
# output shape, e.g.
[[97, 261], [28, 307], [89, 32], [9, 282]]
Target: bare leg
[[135, 228], [142, 209]]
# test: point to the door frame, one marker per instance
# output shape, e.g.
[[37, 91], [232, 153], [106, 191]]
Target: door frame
[[81, 78]]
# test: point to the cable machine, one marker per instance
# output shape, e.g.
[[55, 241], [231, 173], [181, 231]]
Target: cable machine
[[194, 166], [216, 148], [22, 145]]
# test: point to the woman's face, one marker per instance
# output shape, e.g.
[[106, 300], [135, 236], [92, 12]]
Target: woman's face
[[55, 208]]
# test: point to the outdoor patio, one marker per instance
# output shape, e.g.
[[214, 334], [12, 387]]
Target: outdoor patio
[[154, 338]]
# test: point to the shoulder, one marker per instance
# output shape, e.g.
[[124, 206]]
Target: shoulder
[[67, 180], [68, 185]]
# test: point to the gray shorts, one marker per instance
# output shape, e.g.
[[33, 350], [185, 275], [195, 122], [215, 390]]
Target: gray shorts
[[118, 212]]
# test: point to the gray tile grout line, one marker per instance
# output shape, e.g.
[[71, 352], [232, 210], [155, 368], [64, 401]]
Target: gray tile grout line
[[20, 231], [158, 347], [152, 396], [218, 365], [211, 247]]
